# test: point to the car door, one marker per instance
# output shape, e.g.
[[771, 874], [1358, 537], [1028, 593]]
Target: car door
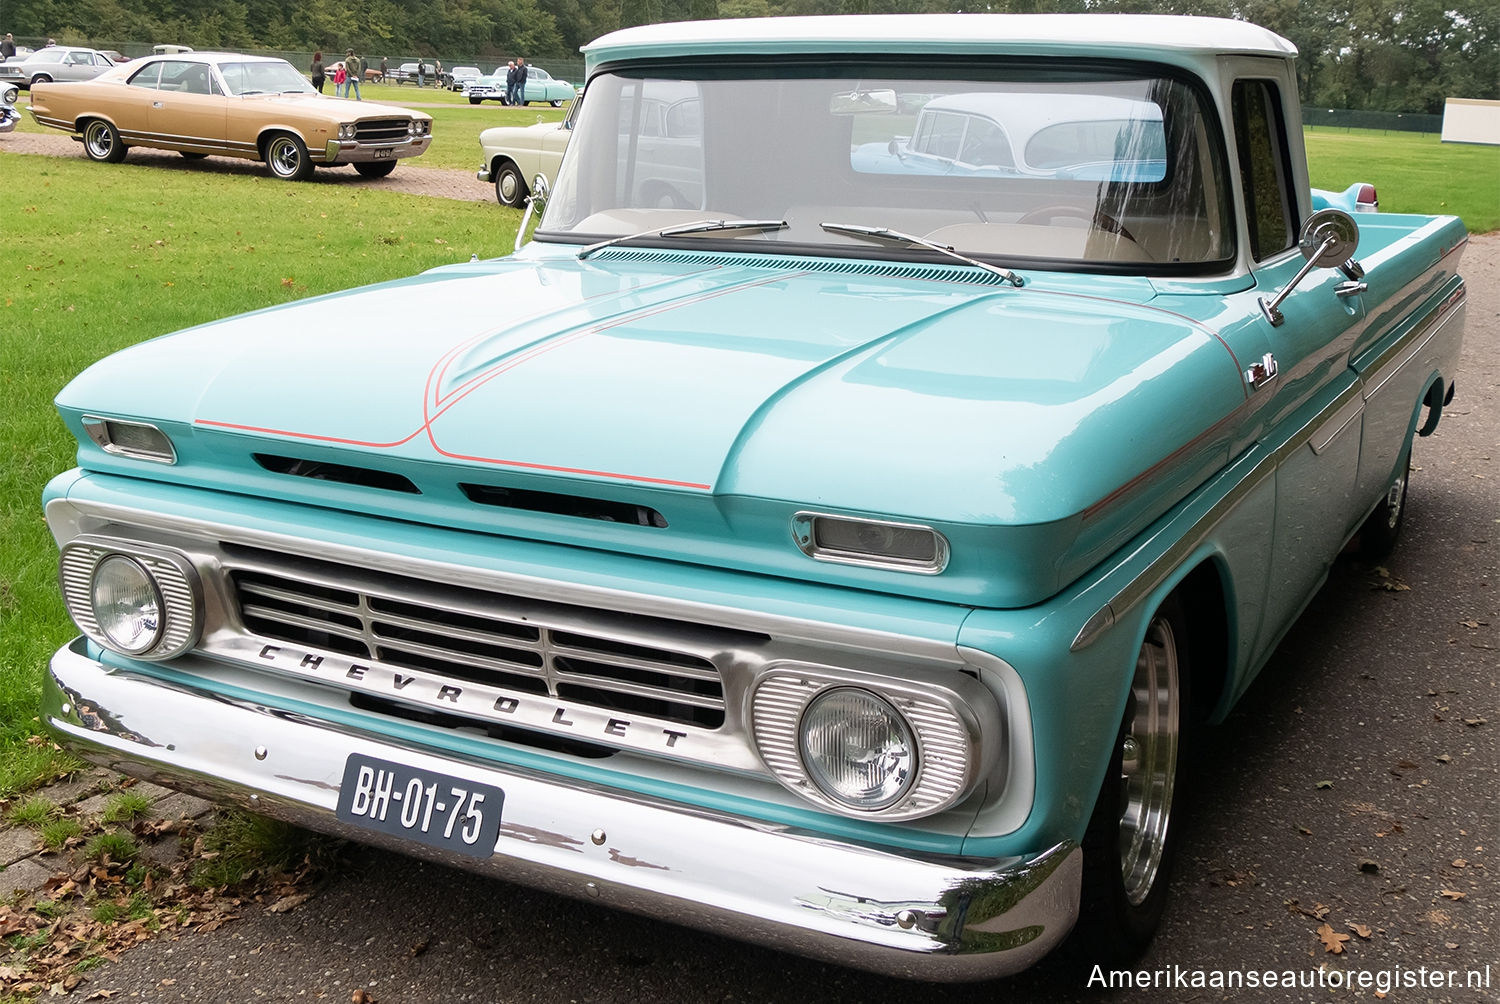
[[188, 110], [1310, 401]]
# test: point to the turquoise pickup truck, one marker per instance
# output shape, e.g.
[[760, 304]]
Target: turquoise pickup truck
[[901, 439]]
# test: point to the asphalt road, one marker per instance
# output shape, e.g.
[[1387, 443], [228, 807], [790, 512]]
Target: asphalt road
[[1355, 785]]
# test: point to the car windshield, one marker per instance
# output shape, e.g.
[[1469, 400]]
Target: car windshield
[[264, 78], [1026, 161]]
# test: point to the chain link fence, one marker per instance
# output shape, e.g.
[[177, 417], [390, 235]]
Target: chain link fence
[[1344, 118]]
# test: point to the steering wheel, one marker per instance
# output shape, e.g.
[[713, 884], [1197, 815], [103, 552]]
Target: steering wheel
[[1098, 219]]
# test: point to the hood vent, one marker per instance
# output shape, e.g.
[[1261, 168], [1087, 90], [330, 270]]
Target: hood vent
[[320, 470], [840, 266], [565, 505]]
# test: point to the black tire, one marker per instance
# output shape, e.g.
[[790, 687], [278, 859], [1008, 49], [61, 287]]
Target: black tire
[[510, 186], [192, 155], [475, 101], [1381, 530], [286, 156], [555, 104], [375, 168], [40, 78], [1131, 844], [101, 142]]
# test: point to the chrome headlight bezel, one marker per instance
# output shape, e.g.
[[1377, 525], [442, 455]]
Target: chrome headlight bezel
[[173, 579], [10, 95], [347, 131], [956, 724]]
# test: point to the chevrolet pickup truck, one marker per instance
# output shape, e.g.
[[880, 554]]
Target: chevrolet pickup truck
[[833, 528]]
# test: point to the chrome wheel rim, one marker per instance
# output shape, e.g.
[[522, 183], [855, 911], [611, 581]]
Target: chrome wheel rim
[[285, 160], [100, 140], [1148, 761], [509, 187]]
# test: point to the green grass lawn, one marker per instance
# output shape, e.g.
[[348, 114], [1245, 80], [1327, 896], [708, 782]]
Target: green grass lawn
[[100, 257], [1411, 172]]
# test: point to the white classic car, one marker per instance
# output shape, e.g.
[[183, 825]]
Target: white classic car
[[515, 155]]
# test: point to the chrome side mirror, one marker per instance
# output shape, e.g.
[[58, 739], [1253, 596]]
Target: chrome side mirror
[[536, 202], [1328, 240]]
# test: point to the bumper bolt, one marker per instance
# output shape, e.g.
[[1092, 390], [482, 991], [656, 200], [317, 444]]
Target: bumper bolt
[[592, 888], [261, 752], [907, 919], [598, 837]]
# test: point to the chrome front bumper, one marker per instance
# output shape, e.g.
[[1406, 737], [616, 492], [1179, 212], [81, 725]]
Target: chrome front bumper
[[898, 914], [354, 152]]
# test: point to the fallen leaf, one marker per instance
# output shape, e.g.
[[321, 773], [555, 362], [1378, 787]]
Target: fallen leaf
[[289, 902], [1450, 944], [1453, 894], [1443, 758], [1361, 930], [287, 282], [361, 997], [1332, 940], [1474, 723], [1323, 785], [1460, 863]]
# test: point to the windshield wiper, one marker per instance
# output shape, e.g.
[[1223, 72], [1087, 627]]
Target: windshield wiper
[[685, 229], [897, 237]]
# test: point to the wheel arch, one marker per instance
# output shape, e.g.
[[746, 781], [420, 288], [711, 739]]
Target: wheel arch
[[84, 118], [263, 137], [1205, 589]]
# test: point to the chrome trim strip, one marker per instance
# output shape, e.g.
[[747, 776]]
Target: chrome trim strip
[[893, 913], [806, 541], [1346, 409], [1395, 358]]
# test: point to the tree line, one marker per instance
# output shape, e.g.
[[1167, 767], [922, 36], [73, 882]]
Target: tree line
[[1386, 55]]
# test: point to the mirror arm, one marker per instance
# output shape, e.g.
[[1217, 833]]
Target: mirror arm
[[1271, 310]]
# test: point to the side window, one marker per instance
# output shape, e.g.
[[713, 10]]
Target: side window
[[1266, 176], [147, 76]]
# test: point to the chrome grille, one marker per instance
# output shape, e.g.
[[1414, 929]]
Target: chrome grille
[[382, 130], [480, 637]]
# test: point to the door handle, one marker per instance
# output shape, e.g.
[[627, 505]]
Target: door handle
[[1350, 288]]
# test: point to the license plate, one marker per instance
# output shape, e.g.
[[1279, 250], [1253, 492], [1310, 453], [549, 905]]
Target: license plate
[[421, 805], [384, 154]]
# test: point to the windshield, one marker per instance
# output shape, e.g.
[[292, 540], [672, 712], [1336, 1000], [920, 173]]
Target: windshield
[[1108, 165], [264, 78]]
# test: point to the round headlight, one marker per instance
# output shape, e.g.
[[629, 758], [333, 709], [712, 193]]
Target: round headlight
[[857, 749], [127, 604], [11, 94]]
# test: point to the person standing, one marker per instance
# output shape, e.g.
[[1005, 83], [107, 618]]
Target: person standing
[[421, 73], [437, 72], [385, 63], [340, 77], [510, 83], [317, 71], [520, 81], [355, 68], [7, 47]]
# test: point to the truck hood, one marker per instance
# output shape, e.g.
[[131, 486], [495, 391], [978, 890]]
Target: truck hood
[[904, 391]]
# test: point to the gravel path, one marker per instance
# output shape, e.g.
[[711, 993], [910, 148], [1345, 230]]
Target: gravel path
[[412, 180]]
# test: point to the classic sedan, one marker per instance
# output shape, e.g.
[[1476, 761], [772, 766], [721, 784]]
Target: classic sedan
[[253, 107], [461, 77], [514, 155], [55, 62], [540, 86]]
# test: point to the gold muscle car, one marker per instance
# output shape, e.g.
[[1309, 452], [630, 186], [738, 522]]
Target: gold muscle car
[[254, 107]]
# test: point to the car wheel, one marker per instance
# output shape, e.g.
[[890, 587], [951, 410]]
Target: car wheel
[[1378, 534], [286, 156], [510, 186], [40, 78], [555, 104], [101, 142], [375, 168], [1129, 847], [475, 101]]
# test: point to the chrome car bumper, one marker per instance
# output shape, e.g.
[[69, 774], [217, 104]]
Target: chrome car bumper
[[898, 914], [354, 152]]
